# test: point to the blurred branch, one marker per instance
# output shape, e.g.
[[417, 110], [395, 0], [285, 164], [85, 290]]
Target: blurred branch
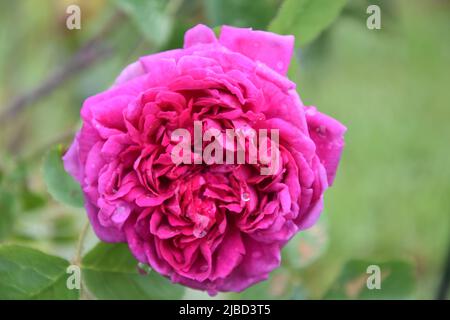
[[87, 55], [65, 138]]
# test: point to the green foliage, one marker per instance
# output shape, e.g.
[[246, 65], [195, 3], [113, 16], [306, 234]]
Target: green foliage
[[151, 17], [305, 19], [240, 13], [6, 213], [27, 273], [64, 229], [60, 184], [111, 272], [397, 281], [32, 200], [16, 196]]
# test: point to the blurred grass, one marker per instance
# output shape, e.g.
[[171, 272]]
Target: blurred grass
[[390, 87]]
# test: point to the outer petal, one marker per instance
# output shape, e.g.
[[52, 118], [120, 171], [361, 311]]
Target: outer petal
[[72, 161], [259, 261], [314, 200], [130, 72], [159, 71], [154, 60], [328, 135], [106, 234], [312, 216], [199, 34], [272, 49], [229, 254]]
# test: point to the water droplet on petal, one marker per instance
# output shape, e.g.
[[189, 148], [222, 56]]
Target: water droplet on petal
[[143, 268], [203, 221], [321, 130], [245, 196], [198, 233], [120, 214], [203, 268]]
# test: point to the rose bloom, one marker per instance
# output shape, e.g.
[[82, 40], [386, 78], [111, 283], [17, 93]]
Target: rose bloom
[[209, 227]]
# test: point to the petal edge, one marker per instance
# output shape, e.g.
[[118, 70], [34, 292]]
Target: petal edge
[[269, 48]]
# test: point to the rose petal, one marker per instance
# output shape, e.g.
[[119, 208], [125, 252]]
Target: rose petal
[[328, 135], [71, 160], [107, 234], [132, 71], [199, 34], [272, 49], [260, 259]]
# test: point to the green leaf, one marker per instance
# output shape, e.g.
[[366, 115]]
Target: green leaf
[[60, 184], [397, 281], [241, 13], [6, 213], [27, 273], [305, 19], [111, 272], [307, 246], [151, 17]]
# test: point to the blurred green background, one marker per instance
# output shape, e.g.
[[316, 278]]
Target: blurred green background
[[390, 87]]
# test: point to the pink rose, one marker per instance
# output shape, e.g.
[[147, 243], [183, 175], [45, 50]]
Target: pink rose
[[210, 227]]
